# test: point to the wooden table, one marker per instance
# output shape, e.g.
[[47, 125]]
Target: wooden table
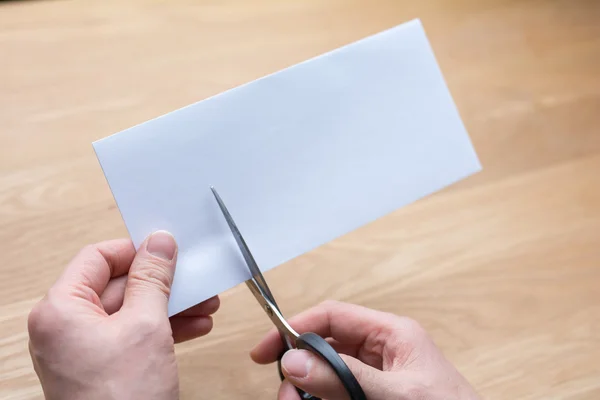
[[503, 269]]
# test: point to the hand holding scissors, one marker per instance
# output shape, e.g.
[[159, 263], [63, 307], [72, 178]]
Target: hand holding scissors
[[393, 357], [291, 339]]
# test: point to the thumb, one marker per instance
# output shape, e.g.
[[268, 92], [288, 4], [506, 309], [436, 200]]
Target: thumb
[[151, 274], [310, 373]]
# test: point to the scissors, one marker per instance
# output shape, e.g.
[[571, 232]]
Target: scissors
[[291, 339]]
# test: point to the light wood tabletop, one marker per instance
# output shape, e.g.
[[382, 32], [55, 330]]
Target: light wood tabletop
[[503, 269]]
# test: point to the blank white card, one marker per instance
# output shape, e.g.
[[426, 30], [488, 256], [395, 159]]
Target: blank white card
[[300, 157]]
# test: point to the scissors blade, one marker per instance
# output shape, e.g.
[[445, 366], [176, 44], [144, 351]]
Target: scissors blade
[[258, 284], [252, 265]]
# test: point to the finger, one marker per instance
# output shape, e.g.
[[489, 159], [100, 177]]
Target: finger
[[188, 328], [367, 356], [190, 324], [341, 348], [346, 323], [287, 391], [112, 300], [207, 307], [96, 264], [313, 375], [151, 275], [112, 297]]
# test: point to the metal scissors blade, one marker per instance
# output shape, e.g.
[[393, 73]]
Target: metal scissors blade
[[252, 265], [257, 284]]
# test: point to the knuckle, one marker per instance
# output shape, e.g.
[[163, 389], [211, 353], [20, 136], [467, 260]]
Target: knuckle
[[330, 304], [147, 323], [35, 319], [151, 276], [45, 318], [91, 256], [409, 336], [90, 251], [154, 327], [411, 327]]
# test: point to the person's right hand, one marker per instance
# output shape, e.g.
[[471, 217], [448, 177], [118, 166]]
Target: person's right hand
[[392, 357]]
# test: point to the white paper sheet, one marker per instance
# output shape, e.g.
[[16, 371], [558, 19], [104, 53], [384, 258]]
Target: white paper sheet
[[300, 157]]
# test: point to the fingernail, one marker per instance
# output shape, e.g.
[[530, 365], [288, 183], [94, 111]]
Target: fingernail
[[297, 363], [162, 244]]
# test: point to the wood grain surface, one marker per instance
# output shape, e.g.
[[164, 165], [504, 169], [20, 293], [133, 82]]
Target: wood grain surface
[[503, 269]]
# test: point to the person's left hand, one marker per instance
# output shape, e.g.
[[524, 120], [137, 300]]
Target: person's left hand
[[187, 325], [103, 331]]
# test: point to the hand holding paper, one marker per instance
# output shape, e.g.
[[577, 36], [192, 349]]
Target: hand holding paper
[[301, 157]]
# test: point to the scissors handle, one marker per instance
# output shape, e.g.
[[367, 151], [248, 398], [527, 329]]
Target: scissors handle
[[319, 346]]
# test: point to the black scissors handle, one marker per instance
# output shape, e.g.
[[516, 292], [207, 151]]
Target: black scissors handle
[[319, 346]]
